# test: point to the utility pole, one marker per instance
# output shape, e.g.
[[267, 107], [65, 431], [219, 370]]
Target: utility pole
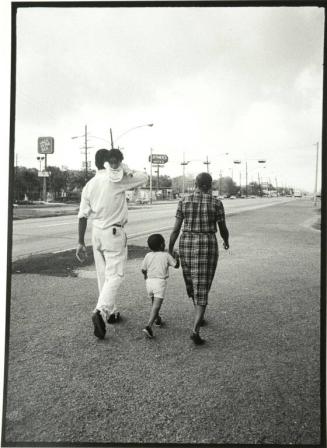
[[111, 139], [151, 176], [86, 167], [276, 186], [259, 184], [246, 178], [240, 183], [220, 180], [207, 163], [183, 164], [316, 177]]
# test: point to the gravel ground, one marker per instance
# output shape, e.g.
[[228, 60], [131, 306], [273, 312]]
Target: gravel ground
[[255, 381]]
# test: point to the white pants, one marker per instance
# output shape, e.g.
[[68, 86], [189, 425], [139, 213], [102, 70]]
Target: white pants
[[110, 254]]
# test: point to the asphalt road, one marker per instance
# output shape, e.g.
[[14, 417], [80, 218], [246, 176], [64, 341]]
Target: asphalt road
[[43, 235], [255, 381]]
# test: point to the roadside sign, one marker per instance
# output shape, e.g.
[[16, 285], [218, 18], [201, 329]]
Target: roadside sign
[[158, 158], [45, 145], [43, 174]]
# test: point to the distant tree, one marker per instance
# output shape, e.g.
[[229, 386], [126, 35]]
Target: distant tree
[[76, 179], [225, 186], [164, 181], [177, 184], [57, 181], [26, 184]]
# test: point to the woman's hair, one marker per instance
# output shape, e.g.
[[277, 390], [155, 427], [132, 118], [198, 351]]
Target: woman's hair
[[155, 241], [103, 155], [204, 181]]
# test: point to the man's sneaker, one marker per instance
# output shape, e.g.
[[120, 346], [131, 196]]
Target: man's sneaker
[[99, 325], [196, 338], [148, 332], [158, 322], [113, 318]]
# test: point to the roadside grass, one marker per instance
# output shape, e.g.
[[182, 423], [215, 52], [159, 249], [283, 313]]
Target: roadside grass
[[64, 264], [29, 212], [48, 210], [255, 381]]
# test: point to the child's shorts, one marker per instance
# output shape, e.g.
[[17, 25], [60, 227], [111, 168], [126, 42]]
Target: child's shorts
[[156, 287]]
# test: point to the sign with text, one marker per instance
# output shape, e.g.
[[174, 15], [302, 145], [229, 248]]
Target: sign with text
[[43, 173], [45, 145], [158, 158]]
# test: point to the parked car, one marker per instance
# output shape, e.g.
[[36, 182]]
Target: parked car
[[232, 197]]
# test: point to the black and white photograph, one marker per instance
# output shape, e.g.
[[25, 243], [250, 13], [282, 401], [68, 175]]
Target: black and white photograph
[[163, 269]]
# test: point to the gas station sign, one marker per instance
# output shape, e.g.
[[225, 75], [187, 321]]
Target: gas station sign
[[45, 145]]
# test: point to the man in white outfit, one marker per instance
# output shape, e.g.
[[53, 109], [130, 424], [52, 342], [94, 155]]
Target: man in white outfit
[[103, 199]]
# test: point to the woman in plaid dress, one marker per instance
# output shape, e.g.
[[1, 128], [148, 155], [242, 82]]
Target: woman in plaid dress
[[200, 212]]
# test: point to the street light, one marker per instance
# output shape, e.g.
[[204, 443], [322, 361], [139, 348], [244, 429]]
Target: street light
[[40, 160], [186, 162], [246, 173], [126, 132]]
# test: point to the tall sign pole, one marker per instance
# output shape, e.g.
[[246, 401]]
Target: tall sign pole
[[45, 146], [159, 160]]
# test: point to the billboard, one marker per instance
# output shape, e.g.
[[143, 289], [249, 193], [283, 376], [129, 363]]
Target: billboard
[[45, 145], [158, 158]]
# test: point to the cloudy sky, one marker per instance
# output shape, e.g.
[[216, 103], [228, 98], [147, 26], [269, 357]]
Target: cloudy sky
[[223, 83]]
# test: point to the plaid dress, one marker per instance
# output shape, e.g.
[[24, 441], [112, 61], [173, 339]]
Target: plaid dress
[[198, 244]]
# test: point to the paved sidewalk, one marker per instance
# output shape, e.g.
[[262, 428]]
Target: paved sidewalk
[[256, 380]]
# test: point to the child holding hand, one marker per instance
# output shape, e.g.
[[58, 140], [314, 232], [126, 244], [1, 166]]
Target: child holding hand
[[155, 268]]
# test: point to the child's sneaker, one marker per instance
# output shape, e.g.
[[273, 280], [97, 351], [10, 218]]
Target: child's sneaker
[[114, 318], [158, 322], [148, 331]]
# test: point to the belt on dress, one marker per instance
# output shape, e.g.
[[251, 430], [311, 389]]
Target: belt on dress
[[116, 225]]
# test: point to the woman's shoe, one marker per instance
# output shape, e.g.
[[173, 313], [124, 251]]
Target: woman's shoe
[[196, 338]]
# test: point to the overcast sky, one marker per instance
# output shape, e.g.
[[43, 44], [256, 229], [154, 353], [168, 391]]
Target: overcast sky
[[242, 81]]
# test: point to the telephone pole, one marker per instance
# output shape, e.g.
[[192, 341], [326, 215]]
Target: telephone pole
[[207, 163], [86, 167], [184, 164], [151, 176]]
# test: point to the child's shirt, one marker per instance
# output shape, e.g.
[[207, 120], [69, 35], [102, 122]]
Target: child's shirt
[[157, 264]]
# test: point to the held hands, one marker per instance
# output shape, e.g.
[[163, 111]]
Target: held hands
[[81, 254], [226, 245], [175, 254]]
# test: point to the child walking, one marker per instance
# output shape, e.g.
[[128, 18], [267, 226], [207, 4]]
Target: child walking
[[155, 267]]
